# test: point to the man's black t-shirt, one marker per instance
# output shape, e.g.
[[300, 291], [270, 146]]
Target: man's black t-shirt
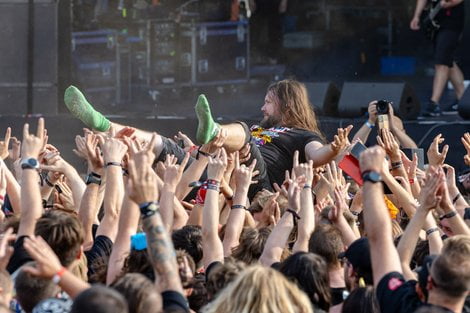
[[452, 18], [395, 295], [277, 146]]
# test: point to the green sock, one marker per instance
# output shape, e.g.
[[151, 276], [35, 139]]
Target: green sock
[[207, 129], [81, 109]]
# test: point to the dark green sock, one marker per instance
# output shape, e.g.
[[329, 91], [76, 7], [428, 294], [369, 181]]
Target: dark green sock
[[84, 111], [207, 128]]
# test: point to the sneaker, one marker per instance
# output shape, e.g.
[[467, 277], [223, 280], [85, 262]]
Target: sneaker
[[452, 109], [432, 110]]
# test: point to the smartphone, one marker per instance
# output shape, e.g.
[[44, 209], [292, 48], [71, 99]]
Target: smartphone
[[382, 121]]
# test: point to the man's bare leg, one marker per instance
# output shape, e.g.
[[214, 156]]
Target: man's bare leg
[[456, 78], [440, 80]]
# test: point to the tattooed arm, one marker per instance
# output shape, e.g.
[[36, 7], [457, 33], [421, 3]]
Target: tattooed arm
[[142, 190]]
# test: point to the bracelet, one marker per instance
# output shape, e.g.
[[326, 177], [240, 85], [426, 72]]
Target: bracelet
[[448, 215], [148, 209], [194, 147], [57, 276], [95, 175], [48, 182], [2, 198], [295, 215], [238, 206], [202, 153], [369, 125], [411, 181], [431, 230], [213, 182], [396, 165], [307, 186], [213, 187], [456, 198], [113, 164]]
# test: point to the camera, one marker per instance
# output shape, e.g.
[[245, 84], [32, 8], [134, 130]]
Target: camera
[[382, 107]]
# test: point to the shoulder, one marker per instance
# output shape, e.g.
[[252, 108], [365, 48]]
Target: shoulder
[[397, 295]]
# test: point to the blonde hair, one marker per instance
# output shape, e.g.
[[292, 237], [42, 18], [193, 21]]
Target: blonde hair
[[260, 290]]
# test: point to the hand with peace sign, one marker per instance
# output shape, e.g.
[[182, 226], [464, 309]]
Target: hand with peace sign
[[173, 171]]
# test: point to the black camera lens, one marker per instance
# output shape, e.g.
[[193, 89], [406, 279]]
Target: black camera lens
[[382, 107]]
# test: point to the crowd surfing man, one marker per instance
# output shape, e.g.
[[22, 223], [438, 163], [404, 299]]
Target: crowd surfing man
[[289, 124]]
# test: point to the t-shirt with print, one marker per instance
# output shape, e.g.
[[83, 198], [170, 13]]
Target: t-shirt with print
[[277, 146], [395, 295]]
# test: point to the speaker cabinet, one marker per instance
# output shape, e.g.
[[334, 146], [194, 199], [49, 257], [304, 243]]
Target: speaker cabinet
[[14, 56], [355, 98], [324, 97]]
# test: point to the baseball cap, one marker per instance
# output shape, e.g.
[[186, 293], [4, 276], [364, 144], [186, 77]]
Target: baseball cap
[[358, 255]]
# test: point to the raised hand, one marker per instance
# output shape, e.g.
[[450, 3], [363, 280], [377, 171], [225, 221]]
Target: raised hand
[[429, 197], [245, 153], [47, 262], [93, 153], [173, 171], [388, 142], [333, 175], [216, 143], [341, 140], [113, 149], [4, 144], [435, 157], [293, 193], [187, 142], [217, 165], [340, 205], [15, 152], [33, 145], [372, 110], [243, 174], [372, 159], [142, 183], [303, 169], [6, 250], [64, 198], [271, 212], [466, 143]]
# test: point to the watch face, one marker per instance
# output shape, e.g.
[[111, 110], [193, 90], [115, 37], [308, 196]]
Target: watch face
[[33, 162], [372, 177]]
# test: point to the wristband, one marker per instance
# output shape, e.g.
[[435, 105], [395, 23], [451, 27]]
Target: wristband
[[95, 175], [448, 215], [238, 206], [113, 164], [396, 165], [213, 187], [148, 209], [307, 186], [369, 125], [57, 276], [295, 215], [47, 181], [193, 148], [456, 198], [213, 182], [431, 230], [411, 181], [202, 153]]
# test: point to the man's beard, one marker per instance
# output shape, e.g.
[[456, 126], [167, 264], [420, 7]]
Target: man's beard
[[269, 121]]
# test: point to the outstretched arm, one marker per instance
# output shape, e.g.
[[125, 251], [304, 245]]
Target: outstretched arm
[[322, 154], [384, 256], [141, 187], [211, 245], [31, 204]]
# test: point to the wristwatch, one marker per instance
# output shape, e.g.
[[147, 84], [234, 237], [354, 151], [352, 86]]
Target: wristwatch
[[93, 178], [371, 176], [30, 163], [148, 209]]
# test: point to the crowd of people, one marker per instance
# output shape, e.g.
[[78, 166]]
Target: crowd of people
[[256, 219]]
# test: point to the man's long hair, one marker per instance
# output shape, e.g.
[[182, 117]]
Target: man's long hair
[[294, 106]]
